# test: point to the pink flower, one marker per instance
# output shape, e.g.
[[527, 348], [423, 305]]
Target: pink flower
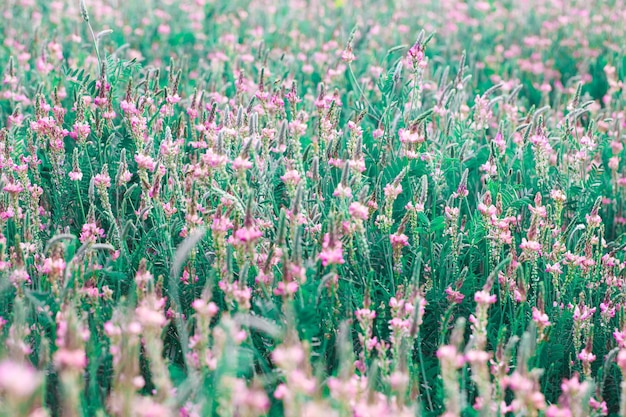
[[241, 164], [288, 357], [150, 317], [81, 131], [407, 136], [102, 180], [90, 233], [358, 211], [555, 411], [620, 338], [291, 177], [477, 356], [18, 380], [484, 298], [205, 309], [586, 356], [13, 188], [392, 191], [145, 162], [342, 191], [599, 406], [286, 288], [347, 55], [449, 354], [554, 269], [416, 56], [75, 175], [530, 245], [365, 314], [245, 235], [593, 220], [147, 407], [398, 241], [75, 359], [331, 255], [221, 224], [18, 276], [540, 318], [454, 296], [53, 267]]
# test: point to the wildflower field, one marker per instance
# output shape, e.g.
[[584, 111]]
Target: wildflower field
[[316, 208]]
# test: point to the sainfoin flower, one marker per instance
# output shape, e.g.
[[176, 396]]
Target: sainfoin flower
[[540, 318], [18, 380], [145, 162], [409, 136], [454, 296], [484, 298], [81, 131], [75, 359], [398, 240], [90, 233], [332, 253], [358, 211], [246, 235], [102, 180]]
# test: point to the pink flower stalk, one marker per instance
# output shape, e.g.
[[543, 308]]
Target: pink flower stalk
[[452, 213], [342, 191], [600, 407], [19, 276], [246, 235], [73, 359], [81, 131], [102, 180], [392, 191], [291, 177], [239, 294], [53, 267], [358, 211], [484, 298], [143, 276], [145, 162], [620, 338], [249, 401], [75, 175], [454, 296], [398, 241], [416, 56], [13, 188], [583, 314], [586, 356], [241, 164], [331, 253], [90, 233], [147, 407], [526, 389], [593, 220], [540, 318], [286, 288], [221, 224], [150, 313], [288, 357], [408, 136], [18, 380], [365, 314], [530, 246], [554, 269], [347, 55]]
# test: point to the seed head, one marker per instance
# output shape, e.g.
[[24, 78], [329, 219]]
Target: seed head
[[83, 11]]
